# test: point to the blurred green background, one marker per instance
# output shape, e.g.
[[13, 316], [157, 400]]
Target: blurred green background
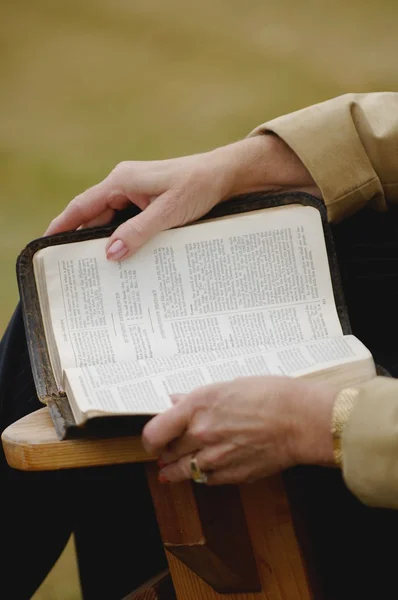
[[87, 83]]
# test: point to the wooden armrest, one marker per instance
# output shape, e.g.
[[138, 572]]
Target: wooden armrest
[[31, 444]]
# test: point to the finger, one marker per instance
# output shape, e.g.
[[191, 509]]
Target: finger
[[165, 427], [82, 209], [230, 476], [209, 460], [176, 472], [186, 444], [132, 235], [176, 398], [102, 219]]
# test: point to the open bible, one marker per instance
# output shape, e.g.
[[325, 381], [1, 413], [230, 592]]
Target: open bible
[[255, 292]]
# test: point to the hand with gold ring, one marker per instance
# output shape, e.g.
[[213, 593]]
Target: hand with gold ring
[[197, 474], [243, 430]]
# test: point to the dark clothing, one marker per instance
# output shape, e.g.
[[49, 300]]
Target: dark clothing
[[109, 509]]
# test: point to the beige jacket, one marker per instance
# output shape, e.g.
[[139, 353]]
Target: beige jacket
[[350, 147]]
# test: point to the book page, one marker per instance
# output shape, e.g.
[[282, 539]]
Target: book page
[[144, 386], [259, 278]]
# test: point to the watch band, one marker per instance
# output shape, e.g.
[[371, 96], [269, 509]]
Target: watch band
[[342, 409]]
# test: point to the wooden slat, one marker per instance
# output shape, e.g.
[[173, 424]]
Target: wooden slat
[[205, 527], [31, 444], [281, 562]]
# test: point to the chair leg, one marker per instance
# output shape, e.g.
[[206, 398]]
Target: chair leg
[[158, 588]]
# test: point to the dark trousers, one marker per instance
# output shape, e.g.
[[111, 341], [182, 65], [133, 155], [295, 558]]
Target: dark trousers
[[354, 546], [109, 509]]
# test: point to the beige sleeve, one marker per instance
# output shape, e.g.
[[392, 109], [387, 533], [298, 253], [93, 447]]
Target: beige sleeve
[[370, 444], [350, 146]]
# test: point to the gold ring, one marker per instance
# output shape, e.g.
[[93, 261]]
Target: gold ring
[[196, 472]]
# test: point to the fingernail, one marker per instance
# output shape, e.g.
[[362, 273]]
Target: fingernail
[[162, 478], [117, 250]]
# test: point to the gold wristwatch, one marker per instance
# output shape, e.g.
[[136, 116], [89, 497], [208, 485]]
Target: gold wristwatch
[[342, 409]]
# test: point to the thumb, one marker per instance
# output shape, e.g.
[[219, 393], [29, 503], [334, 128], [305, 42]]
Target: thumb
[[131, 235]]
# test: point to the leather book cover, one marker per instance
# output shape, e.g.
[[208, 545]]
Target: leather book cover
[[46, 387]]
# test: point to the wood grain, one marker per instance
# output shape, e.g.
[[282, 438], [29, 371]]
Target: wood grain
[[205, 527], [281, 563], [31, 444]]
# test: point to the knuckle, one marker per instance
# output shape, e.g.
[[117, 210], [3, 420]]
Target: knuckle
[[77, 208], [209, 394], [148, 442], [122, 167], [235, 388], [150, 436], [121, 173], [199, 433]]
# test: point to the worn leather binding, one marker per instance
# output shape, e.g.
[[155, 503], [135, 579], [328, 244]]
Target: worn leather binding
[[46, 387]]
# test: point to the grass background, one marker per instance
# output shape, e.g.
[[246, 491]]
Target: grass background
[[87, 83]]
